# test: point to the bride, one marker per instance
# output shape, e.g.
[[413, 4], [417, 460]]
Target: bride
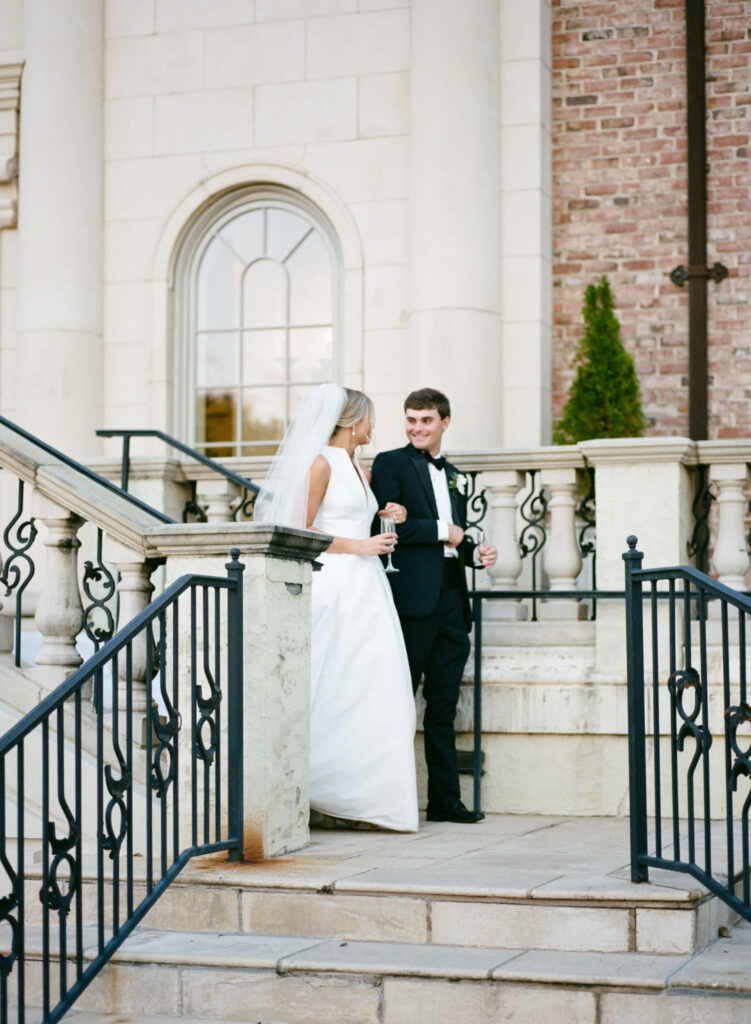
[[362, 725]]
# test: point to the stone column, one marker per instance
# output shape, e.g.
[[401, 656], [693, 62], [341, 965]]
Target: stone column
[[59, 615], [59, 360], [526, 221], [276, 665], [454, 258], [561, 555], [730, 557]]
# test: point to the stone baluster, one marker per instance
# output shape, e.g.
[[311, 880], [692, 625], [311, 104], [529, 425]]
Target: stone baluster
[[502, 489], [134, 588], [561, 555], [730, 557], [59, 615], [218, 498]]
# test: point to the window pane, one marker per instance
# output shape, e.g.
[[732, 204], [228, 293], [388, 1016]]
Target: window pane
[[216, 419], [265, 295], [311, 352], [284, 230], [216, 360], [264, 358], [296, 395], [244, 234], [311, 283], [218, 286], [263, 414]]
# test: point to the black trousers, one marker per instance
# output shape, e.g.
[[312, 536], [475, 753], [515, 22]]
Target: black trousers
[[437, 649]]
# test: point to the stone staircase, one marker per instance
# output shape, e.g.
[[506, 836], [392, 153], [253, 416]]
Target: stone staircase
[[516, 919]]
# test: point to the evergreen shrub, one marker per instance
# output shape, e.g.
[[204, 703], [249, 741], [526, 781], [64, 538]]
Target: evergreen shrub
[[604, 399]]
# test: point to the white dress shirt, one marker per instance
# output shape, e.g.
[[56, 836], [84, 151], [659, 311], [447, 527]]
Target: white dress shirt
[[443, 504]]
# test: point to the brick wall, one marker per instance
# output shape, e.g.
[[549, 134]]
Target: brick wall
[[619, 187]]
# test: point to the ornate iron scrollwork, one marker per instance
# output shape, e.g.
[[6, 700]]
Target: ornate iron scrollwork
[[19, 568], [698, 545], [192, 512], [10, 902], [586, 513], [245, 506], [679, 684], [533, 511], [114, 832], [736, 717], [55, 896], [98, 606], [477, 502], [166, 727], [207, 707]]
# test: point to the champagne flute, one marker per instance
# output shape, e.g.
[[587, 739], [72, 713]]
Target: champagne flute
[[388, 525], [481, 542]]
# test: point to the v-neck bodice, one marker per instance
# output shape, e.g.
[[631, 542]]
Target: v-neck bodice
[[348, 505]]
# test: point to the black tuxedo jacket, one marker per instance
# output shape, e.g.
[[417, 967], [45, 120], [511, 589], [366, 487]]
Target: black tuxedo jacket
[[402, 475]]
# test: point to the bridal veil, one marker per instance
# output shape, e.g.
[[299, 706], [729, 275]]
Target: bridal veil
[[284, 495]]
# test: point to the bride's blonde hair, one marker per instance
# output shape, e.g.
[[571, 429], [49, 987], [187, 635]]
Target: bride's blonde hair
[[357, 406]]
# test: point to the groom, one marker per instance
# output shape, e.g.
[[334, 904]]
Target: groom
[[430, 589]]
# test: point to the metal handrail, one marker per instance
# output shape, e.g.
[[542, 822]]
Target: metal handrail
[[686, 703], [126, 435], [173, 830], [85, 471]]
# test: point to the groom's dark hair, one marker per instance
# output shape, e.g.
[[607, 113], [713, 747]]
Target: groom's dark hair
[[428, 398]]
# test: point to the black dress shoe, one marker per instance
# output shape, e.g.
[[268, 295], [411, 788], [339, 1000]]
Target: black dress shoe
[[454, 810]]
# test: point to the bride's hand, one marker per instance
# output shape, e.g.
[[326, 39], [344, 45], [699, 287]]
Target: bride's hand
[[392, 510], [380, 544]]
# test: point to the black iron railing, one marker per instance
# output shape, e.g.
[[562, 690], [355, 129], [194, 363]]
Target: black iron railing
[[160, 786], [692, 695], [248, 489]]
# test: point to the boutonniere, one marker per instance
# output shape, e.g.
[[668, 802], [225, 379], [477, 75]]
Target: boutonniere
[[458, 483]]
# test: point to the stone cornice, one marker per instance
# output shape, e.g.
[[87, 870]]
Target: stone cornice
[[545, 457], [625, 450], [724, 451], [193, 539]]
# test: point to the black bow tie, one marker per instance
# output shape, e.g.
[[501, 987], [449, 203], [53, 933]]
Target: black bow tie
[[439, 462]]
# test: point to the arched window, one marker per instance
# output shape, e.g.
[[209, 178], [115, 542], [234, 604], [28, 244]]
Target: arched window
[[259, 325]]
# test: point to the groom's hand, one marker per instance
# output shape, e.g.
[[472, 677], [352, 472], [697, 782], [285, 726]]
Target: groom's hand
[[456, 535]]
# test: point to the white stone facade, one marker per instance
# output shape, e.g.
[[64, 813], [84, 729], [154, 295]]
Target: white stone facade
[[418, 128]]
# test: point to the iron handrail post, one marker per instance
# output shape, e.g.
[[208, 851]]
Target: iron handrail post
[[126, 435], [235, 737], [636, 723], [125, 466], [477, 738]]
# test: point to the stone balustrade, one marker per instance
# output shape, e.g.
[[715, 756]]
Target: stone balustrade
[[538, 506]]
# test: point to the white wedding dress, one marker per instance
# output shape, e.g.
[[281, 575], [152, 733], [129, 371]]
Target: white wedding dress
[[362, 723]]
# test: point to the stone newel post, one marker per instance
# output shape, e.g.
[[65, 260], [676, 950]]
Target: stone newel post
[[276, 668], [643, 488], [59, 616]]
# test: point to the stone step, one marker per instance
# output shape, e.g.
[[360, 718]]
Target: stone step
[[162, 976], [541, 883]]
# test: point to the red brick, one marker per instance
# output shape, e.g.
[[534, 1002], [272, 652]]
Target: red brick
[[633, 170]]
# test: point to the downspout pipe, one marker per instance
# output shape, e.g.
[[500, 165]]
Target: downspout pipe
[[697, 273]]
